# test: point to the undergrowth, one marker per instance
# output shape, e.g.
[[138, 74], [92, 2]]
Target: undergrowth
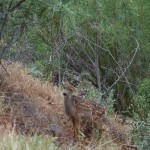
[[22, 142], [42, 103], [92, 93]]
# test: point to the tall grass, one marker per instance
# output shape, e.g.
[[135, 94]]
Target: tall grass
[[46, 104], [20, 81], [20, 142]]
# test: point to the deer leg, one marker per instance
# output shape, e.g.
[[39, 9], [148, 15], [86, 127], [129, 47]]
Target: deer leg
[[101, 127], [73, 122], [74, 125], [77, 128]]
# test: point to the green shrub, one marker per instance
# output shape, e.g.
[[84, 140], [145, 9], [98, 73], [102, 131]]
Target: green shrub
[[141, 134], [92, 93], [141, 127]]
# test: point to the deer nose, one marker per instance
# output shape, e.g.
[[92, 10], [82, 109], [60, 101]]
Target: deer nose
[[105, 128], [64, 93]]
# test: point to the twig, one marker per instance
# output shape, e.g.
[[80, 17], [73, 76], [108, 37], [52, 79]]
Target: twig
[[109, 142], [4, 68], [131, 146], [18, 4], [123, 72]]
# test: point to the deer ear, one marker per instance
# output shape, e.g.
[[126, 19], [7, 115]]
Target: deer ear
[[71, 90], [65, 82]]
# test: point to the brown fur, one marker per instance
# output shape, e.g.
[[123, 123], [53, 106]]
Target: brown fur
[[80, 109]]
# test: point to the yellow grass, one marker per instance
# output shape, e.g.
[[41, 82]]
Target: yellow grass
[[48, 102], [11, 141], [18, 81]]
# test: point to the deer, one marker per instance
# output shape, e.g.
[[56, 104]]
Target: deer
[[80, 109]]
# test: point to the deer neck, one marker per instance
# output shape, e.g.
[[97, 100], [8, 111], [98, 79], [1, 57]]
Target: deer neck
[[68, 102]]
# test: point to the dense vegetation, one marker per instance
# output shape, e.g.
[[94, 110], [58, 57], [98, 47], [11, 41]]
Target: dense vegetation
[[105, 43]]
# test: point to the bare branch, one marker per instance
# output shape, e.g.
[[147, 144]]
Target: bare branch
[[13, 39], [16, 5], [123, 71]]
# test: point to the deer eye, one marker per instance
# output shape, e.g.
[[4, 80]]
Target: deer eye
[[70, 90], [65, 94]]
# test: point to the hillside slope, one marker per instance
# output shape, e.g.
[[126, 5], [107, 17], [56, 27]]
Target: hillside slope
[[30, 106]]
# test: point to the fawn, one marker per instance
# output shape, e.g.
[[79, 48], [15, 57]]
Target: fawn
[[80, 110]]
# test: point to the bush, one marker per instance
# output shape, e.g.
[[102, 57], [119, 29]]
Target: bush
[[141, 126], [141, 134], [92, 93], [142, 100]]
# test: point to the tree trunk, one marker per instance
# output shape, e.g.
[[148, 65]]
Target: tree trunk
[[97, 69], [51, 58]]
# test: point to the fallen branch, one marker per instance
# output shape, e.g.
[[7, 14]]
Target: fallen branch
[[126, 146], [4, 67]]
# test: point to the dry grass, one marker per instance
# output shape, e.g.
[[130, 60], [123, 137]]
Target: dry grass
[[11, 141], [119, 131], [18, 81], [36, 107]]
